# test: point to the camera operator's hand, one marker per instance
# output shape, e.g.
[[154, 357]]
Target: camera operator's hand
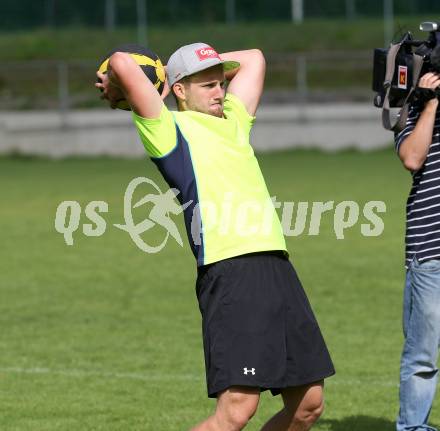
[[430, 80], [428, 83]]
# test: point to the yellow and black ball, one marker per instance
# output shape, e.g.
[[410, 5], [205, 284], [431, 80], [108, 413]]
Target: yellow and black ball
[[148, 61]]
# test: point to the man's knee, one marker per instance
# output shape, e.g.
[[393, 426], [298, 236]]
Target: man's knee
[[309, 413], [304, 405], [236, 408]]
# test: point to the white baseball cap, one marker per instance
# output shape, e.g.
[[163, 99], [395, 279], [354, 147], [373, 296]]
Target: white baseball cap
[[193, 58]]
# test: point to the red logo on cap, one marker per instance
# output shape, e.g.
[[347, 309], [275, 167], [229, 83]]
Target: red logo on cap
[[207, 52]]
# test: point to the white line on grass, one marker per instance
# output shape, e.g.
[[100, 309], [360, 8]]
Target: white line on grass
[[172, 377]]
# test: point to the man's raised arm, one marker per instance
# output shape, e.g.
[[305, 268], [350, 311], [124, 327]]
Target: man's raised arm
[[247, 81], [126, 80]]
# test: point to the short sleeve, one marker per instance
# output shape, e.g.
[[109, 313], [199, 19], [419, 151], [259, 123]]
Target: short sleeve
[[234, 108], [158, 135], [411, 121]]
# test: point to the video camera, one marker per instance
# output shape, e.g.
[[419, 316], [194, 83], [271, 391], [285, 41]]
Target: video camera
[[397, 70]]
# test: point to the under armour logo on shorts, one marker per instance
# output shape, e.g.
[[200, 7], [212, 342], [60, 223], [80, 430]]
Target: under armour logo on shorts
[[246, 371]]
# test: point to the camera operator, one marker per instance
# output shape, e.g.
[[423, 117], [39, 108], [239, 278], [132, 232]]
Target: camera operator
[[418, 146]]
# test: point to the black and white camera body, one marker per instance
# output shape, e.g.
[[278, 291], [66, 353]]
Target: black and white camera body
[[397, 70]]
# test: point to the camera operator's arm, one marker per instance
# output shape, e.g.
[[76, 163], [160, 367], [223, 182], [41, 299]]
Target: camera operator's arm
[[414, 148]]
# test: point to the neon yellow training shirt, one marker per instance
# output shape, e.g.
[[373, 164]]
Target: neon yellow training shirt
[[210, 161]]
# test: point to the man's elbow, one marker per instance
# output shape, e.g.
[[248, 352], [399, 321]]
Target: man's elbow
[[412, 162], [258, 57], [255, 63], [120, 61]]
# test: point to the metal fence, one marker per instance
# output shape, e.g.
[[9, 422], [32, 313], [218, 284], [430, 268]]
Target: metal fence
[[28, 14], [70, 85]]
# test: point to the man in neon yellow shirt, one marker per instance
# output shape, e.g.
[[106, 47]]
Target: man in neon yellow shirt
[[259, 331]]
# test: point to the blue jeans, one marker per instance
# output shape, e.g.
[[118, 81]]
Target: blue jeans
[[421, 328]]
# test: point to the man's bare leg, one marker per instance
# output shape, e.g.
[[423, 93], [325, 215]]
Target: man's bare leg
[[235, 407], [302, 407]]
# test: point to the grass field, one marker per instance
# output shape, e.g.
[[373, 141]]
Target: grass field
[[100, 336]]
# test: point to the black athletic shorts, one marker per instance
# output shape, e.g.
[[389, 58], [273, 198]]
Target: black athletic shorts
[[258, 327]]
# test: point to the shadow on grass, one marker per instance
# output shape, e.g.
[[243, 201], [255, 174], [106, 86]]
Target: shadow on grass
[[359, 423]]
